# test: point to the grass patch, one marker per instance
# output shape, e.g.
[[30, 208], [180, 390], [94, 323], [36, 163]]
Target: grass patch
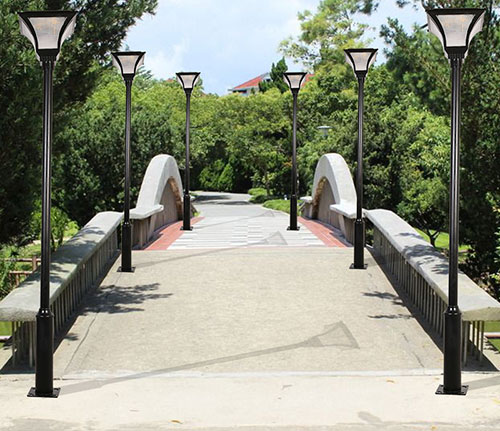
[[442, 241], [278, 205], [493, 327], [5, 329]]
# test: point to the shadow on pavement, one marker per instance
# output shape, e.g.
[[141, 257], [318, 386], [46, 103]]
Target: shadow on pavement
[[334, 335]]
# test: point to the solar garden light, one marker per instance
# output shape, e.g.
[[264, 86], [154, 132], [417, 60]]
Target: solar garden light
[[455, 28], [360, 60], [46, 30], [324, 130], [188, 80], [294, 81], [127, 62]]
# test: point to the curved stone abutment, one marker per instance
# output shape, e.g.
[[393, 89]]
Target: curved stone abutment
[[160, 199], [333, 198]]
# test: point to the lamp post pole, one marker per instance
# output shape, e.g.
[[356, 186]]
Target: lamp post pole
[[126, 227], [293, 197], [46, 30], [127, 63], [455, 28], [186, 223], [188, 81], [452, 377], [359, 224], [44, 366], [294, 81], [360, 60]]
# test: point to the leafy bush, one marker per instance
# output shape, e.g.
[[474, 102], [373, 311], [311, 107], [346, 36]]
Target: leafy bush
[[209, 176], [258, 195], [60, 225], [226, 179], [6, 265]]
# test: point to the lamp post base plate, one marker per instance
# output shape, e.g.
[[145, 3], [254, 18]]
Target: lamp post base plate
[[289, 228], [363, 267], [54, 394], [183, 228], [132, 269], [462, 391]]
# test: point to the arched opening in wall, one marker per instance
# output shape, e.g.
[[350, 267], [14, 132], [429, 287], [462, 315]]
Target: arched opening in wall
[[172, 205], [321, 204]]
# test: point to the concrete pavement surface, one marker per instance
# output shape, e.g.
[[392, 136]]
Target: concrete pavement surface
[[230, 220], [258, 339]]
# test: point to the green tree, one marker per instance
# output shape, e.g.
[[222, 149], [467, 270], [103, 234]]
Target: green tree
[[325, 33], [101, 27], [417, 59], [276, 75]]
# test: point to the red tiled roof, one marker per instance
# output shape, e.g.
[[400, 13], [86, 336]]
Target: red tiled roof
[[308, 78], [251, 83]]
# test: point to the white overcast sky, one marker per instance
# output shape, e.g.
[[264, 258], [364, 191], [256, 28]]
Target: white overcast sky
[[232, 41]]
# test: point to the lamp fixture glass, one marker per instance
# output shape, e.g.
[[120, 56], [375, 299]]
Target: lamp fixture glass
[[294, 80], [47, 30], [455, 28], [188, 79], [127, 62], [360, 59]]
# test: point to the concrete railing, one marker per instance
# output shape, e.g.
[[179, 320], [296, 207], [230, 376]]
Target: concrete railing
[[333, 199], [160, 199], [76, 266], [423, 273]]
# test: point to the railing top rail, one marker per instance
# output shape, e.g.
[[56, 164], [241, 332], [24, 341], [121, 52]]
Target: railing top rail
[[474, 302], [22, 303]]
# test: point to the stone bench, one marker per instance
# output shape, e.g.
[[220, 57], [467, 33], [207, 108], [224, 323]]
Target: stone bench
[[422, 271], [75, 267]]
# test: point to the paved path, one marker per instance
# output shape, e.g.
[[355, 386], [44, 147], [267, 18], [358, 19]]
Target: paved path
[[229, 220], [249, 337]]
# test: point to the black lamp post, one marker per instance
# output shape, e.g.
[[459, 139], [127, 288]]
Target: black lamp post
[[188, 80], [360, 61], [47, 31], [294, 81], [455, 28], [127, 62]]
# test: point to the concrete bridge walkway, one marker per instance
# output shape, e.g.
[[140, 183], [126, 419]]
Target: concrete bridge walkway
[[221, 333], [229, 220]]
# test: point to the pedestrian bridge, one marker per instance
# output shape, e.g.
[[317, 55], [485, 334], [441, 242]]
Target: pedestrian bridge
[[240, 293], [243, 323]]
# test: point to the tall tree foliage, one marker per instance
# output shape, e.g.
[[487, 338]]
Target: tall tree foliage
[[277, 80], [331, 28], [101, 27], [419, 61]]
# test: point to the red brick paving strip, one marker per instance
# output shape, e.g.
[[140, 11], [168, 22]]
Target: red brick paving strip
[[168, 235], [323, 232]]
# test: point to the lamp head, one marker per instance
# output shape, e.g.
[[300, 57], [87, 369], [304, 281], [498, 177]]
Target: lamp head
[[188, 80], [455, 28], [294, 80], [47, 30], [127, 62], [360, 59]]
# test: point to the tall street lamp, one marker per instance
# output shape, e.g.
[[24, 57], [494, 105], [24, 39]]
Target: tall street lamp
[[188, 80], [47, 31], [360, 61], [294, 81], [127, 62], [455, 28]]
